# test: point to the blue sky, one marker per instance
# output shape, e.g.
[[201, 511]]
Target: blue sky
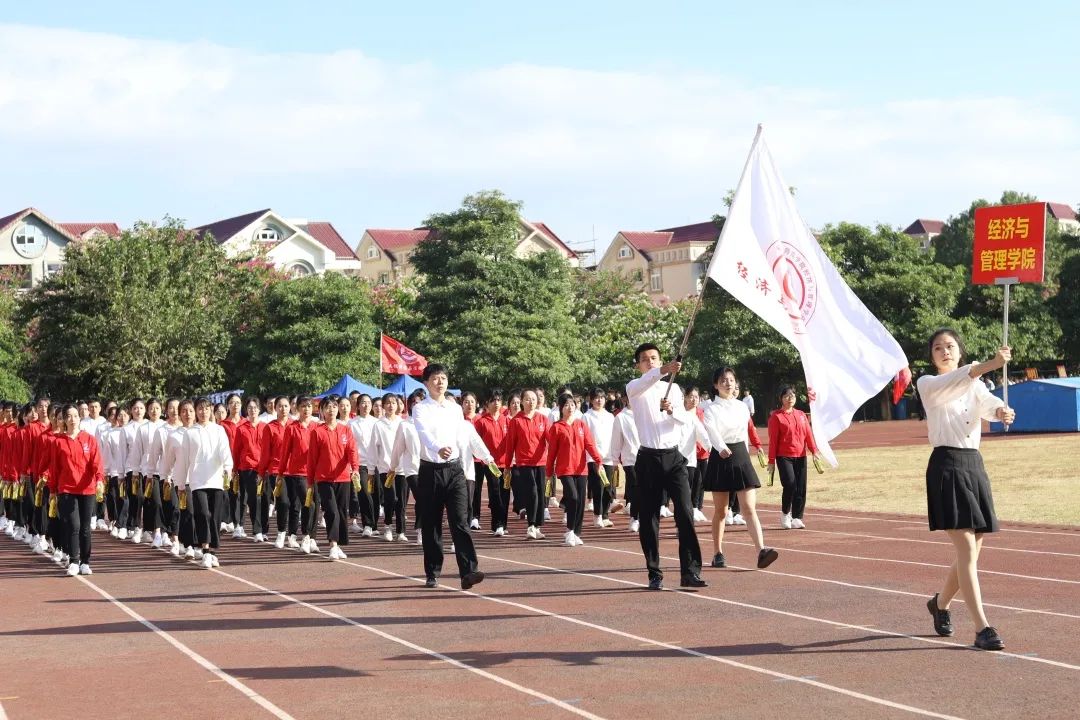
[[594, 114]]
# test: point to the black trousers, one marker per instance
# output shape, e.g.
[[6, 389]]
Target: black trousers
[[205, 506], [602, 497], [733, 503], [249, 481], [630, 493], [529, 484], [394, 502], [334, 497], [439, 487], [153, 516], [573, 493], [237, 506], [410, 487], [498, 498], [170, 509], [75, 513], [792, 473], [134, 498], [660, 471], [369, 501], [290, 504], [29, 512], [476, 491], [115, 506], [185, 519], [697, 484]]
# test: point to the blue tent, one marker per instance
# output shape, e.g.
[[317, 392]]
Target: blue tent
[[404, 385], [348, 384], [1050, 405]]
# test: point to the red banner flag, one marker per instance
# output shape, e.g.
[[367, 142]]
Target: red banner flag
[[397, 359]]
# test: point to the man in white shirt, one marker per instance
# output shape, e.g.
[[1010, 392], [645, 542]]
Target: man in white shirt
[[441, 481], [659, 417], [748, 400]]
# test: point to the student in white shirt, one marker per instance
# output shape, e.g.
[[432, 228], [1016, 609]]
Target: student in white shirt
[[406, 457], [152, 520], [363, 505], [174, 472], [113, 443], [748, 400], [380, 455], [958, 494], [209, 463], [601, 426], [624, 449], [661, 466], [132, 461], [163, 511]]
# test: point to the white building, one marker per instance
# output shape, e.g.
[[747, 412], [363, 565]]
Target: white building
[[32, 245]]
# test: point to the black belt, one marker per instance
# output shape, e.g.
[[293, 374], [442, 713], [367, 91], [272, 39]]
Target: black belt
[[657, 451], [441, 466]]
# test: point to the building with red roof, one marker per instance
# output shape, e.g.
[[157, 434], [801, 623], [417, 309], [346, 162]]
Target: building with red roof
[[32, 245], [666, 263]]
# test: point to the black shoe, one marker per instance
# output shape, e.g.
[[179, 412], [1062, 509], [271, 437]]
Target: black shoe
[[987, 639], [431, 582], [942, 618], [718, 560], [693, 581], [470, 579], [766, 557], [656, 583]]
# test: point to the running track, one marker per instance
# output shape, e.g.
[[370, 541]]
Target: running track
[[836, 628]]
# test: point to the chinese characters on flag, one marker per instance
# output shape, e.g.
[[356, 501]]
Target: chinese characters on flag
[[1009, 243], [397, 359]]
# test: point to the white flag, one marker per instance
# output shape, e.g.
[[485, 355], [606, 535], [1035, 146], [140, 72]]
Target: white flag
[[770, 261]]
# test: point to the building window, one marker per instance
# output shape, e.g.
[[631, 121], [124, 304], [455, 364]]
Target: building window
[[638, 275], [625, 252], [384, 278], [29, 241], [299, 269], [267, 234], [655, 282], [372, 252]]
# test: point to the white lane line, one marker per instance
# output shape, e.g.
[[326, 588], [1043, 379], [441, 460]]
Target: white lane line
[[3, 715], [199, 659], [985, 546], [922, 523], [659, 643], [785, 613], [417, 648]]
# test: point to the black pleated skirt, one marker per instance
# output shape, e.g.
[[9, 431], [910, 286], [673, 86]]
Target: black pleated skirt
[[731, 473], [958, 491]]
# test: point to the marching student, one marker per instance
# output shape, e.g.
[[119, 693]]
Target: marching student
[[624, 450], [601, 426], [8, 474], [474, 455], [441, 481], [132, 462], [526, 445], [492, 425], [246, 445], [406, 455], [469, 407], [113, 449], [271, 445], [158, 514], [75, 471], [363, 505], [182, 526], [54, 535], [26, 532], [790, 438], [269, 409], [661, 466], [332, 463], [730, 469], [569, 441], [694, 440], [208, 463], [234, 512], [151, 506], [379, 464], [696, 469], [958, 496], [293, 513]]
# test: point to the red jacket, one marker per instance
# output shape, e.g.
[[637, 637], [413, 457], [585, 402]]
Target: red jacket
[[7, 451], [230, 432], [702, 453], [493, 433], [23, 440], [271, 437], [294, 458], [567, 445], [790, 435], [751, 431], [75, 466], [332, 454], [246, 448], [36, 451], [526, 440]]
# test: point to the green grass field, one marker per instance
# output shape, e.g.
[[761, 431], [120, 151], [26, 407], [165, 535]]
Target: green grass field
[[1034, 479]]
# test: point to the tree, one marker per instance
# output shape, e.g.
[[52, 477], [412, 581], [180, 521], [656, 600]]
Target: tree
[[146, 313], [12, 340], [1066, 304], [304, 334], [491, 317]]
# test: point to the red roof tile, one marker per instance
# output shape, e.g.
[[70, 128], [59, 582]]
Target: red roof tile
[[545, 230], [394, 240], [1060, 211], [924, 227], [647, 242], [222, 230], [9, 219], [325, 233], [703, 232], [80, 229]]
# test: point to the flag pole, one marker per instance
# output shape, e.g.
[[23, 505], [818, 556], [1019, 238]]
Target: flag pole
[[380, 359], [1007, 283]]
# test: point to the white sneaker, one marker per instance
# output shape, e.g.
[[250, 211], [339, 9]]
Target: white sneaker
[[382, 513], [547, 513], [314, 546], [175, 549], [137, 537], [568, 539], [84, 569], [114, 532], [208, 561], [539, 535], [402, 538], [499, 532], [598, 521], [530, 533], [797, 523], [291, 542], [229, 527], [635, 525], [279, 543], [785, 521], [699, 517], [57, 556], [189, 554], [305, 546], [453, 548], [10, 530], [73, 569], [336, 553], [578, 540], [322, 522], [199, 554], [739, 519], [617, 505], [419, 538], [158, 542], [608, 523], [665, 512], [354, 526], [42, 546], [214, 559], [388, 536], [122, 534], [729, 519], [553, 502], [261, 537], [224, 527], [474, 524]]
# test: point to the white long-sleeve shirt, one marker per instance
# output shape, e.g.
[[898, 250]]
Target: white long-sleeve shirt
[[727, 422], [955, 405], [693, 433], [602, 427], [624, 439], [381, 448], [406, 454], [157, 449], [132, 449], [147, 434], [362, 430], [206, 450], [113, 444], [174, 461], [656, 429], [437, 426], [472, 448]]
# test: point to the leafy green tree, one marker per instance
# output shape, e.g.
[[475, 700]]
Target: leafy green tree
[[12, 341], [304, 334], [491, 317], [146, 313], [1066, 304]]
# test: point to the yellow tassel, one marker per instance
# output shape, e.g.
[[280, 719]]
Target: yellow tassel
[[550, 490], [356, 483], [761, 459], [506, 479], [148, 493], [772, 474], [818, 466], [309, 498], [99, 491], [618, 476], [278, 488], [389, 483], [603, 476], [54, 509], [166, 492], [494, 470], [136, 485], [234, 485], [183, 499], [21, 491], [123, 488], [39, 497], [5, 493], [370, 485], [259, 485]]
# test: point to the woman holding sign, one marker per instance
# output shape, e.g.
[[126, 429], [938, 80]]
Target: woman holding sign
[[957, 488]]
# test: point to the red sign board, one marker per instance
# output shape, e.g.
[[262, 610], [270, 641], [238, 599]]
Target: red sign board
[[1010, 242]]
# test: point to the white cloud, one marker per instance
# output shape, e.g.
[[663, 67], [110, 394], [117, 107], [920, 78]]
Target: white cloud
[[618, 140]]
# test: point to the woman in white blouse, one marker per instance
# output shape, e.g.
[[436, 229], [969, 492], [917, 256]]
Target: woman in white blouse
[[730, 470], [957, 487], [209, 462]]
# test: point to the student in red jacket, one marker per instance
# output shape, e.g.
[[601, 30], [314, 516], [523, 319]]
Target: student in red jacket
[[790, 438], [526, 442], [568, 442], [292, 514], [271, 444], [246, 445], [233, 417], [492, 425], [75, 471], [332, 463]]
